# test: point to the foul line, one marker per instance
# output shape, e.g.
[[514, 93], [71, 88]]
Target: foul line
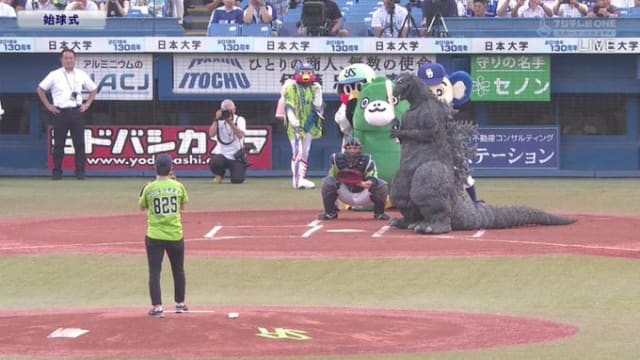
[[381, 231], [543, 243], [213, 232], [315, 226]]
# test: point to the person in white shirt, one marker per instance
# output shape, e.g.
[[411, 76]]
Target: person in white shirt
[[45, 5], [81, 5], [66, 85], [228, 130], [6, 10], [535, 9], [388, 20], [570, 8]]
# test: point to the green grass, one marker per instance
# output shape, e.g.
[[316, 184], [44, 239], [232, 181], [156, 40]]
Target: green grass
[[599, 295]]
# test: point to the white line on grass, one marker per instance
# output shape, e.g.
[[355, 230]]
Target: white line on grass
[[213, 231]]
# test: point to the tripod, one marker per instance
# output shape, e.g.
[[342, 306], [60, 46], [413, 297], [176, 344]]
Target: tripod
[[409, 22], [440, 29]]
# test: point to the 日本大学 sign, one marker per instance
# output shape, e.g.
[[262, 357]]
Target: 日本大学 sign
[[511, 78], [517, 148], [134, 147]]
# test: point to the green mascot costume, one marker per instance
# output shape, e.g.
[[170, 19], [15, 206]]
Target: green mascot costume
[[372, 121]]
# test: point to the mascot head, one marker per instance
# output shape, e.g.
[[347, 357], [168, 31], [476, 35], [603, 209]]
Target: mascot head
[[454, 89], [305, 74], [351, 79], [377, 107]]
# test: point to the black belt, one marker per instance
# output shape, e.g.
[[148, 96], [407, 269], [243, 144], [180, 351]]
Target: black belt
[[69, 108]]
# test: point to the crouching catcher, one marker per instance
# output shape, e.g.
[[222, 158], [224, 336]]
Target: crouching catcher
[[353, 179]]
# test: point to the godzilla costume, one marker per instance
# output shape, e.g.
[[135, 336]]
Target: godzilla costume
[[433, 167]]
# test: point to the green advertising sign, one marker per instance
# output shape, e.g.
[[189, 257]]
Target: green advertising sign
[[511, 78]]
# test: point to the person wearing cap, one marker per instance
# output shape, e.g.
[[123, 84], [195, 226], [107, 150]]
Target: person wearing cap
[[454, 90], [228, 130], [364, 189], [164, 199]]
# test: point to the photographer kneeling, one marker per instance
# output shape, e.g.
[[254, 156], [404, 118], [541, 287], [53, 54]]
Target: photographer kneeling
[[228, 130]]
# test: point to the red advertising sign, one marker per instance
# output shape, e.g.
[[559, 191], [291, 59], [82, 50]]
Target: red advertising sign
[[134, 147]]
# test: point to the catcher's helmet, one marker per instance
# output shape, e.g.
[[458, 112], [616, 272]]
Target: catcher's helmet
[[352, 141]]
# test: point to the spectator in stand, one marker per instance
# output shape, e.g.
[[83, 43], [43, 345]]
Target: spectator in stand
[[17, 5], [115, 8], [260, 12], [6, 10], [570, 8], [45, 5], [505, 7], [388, 20], [280, 7], [479, 9], [81, 5], [228, 13], [603, 9], [535, 9], [433, 8]]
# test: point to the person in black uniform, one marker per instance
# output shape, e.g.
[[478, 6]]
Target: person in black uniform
[[367, 190], [66, 85]]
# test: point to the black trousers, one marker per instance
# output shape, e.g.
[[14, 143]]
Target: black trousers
[[155, 254], [68, 120], [237, 170]]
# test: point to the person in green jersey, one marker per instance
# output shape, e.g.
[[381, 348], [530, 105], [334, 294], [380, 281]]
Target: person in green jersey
[[164, 199]]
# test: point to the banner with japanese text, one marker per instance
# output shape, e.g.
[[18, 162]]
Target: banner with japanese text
[[119, 77], [511, 77], [305, 46], [259, 74], [134, 147], [517, 148]]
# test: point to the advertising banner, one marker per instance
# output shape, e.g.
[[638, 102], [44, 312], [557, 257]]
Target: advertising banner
[[511, 78], [134, 147], [119, 77], [517, 148], [259, 74]]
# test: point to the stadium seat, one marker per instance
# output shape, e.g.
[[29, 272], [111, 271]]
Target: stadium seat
[[223, 30], [135, 12], [356, 28], [256, 30]]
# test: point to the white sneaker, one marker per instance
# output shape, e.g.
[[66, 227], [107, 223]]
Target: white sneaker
[[306, 184]]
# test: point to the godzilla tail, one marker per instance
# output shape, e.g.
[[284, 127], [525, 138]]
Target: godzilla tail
[[501, 217]]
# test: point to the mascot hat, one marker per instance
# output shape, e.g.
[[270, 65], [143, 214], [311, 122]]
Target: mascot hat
[[432, 73], [305, 73], [356, 73]]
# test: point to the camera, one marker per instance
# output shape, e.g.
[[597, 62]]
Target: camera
[[241, 155], [225, 114]]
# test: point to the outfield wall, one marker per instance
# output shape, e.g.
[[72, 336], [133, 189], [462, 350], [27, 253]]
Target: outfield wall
[[152, 64]]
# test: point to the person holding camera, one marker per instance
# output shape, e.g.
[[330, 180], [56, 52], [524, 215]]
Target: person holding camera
[[389, 20], [570, 8], [535, 9], [603, 9], [228, 129], [66, 85]]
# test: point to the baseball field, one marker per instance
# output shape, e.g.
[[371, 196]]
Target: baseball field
[[73, 276]]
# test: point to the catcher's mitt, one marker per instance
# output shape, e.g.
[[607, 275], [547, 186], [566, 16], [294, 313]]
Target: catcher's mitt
[[349, 177]]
